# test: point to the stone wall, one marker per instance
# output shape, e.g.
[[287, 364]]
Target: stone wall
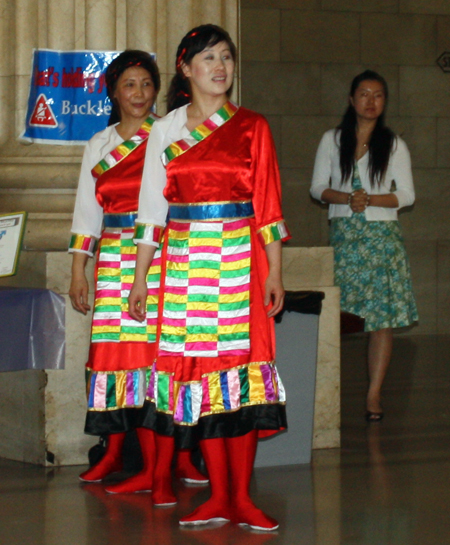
[[298, 59]]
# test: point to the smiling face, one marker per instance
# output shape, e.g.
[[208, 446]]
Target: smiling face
[[135, 93], [211, 71], [369, 100]]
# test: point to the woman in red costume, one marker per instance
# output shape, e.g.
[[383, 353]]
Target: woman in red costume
[[215, 379], [122, 350]]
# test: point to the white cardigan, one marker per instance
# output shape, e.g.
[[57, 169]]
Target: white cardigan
[[327, 168]]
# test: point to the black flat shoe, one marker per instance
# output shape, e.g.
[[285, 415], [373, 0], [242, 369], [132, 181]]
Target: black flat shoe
[[374, 417]]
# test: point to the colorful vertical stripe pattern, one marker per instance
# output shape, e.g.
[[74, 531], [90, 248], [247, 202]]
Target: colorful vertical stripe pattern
[[108, 391], [148, 233], [201, 132], [83, 243], [115, 274], [207, 289], [217, 392], [274, 231], [124, 149]]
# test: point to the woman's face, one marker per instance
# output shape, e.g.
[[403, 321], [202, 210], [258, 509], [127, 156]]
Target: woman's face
[[211, 71], [135, 93], [369, 100]]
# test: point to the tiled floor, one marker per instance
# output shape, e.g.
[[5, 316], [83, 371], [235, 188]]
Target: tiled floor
[[389, 484]]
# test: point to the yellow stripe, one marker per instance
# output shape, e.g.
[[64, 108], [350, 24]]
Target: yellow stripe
[[175, 298], [205, 242], [106, 329], [121, 389], [175, 266], [136, 337], [215, 393], [172, 330], [255, 379], [234, 297], [203, 130], [110, 241], [203, 306], [151, 329], [242, 232], [178, 235], [236, 328], [204, 273], [235, 265], [203, 337], [128, 250], [114, 301]]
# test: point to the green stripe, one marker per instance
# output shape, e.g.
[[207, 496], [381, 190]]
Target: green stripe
[[234, 336], [111, 336], [106, 278], [170, 154], [104, 164], [172, 338], [129, 144], [197, 135], [275, 232], [128, 272], [173, 273], [127, 242], [178, 243], [234, 306], [236, 241], [134, 329], [152, 308], [153, 277], [139, 230], [204, 264], [108, 308], [245, 386], [111, 400], [205, 234], [235, 273], [106, 249], [163, 392], [202, 298], [151, 338], [199, 329], [168, 305]]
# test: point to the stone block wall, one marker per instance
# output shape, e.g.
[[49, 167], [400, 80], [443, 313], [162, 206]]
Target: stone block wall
[[298, 60]]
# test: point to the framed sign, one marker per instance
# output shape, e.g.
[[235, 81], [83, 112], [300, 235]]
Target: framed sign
[[12, 228]]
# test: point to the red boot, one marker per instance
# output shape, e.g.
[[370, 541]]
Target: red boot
[[143, 481], [241, 455], [217, 508], [186, 471], [111, 461], [162, 481]]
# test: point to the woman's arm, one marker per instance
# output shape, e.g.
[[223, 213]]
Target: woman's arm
[[79, 286], [274, 283], [137, 300]]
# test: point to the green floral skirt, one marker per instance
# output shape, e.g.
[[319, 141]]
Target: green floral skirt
[[372, 269]]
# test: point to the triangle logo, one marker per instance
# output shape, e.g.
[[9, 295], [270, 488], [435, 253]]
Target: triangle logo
[[43, 115]]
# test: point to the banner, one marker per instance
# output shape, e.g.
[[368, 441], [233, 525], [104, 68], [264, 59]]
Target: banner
[[67, 102]]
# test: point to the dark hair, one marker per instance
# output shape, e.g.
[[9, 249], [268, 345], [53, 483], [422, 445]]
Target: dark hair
[[381, 140], [127, 59], [195, 41]]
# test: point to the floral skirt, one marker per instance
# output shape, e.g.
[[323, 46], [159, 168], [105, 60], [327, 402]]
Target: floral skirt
[[372, 270]]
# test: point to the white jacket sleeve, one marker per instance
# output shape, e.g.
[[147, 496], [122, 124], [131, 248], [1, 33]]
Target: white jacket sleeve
[[88, 214], [322, 166], [153, 206], [402, 174]]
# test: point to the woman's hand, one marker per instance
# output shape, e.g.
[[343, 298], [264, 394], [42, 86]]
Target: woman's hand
[[79, 286], [137, 301], [359, 200], [274, 293], [274, 284]]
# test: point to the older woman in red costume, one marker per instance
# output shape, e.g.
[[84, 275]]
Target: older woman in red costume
[[122, 350], [215, 379]]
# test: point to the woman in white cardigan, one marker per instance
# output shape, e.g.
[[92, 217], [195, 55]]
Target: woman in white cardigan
[[363, 171]]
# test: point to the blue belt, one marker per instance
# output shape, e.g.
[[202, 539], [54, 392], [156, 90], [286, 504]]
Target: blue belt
[[213, 211], [120, 220]]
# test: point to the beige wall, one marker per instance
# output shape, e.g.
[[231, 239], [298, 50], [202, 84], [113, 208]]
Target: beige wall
[[42, 179], [298, 59]]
